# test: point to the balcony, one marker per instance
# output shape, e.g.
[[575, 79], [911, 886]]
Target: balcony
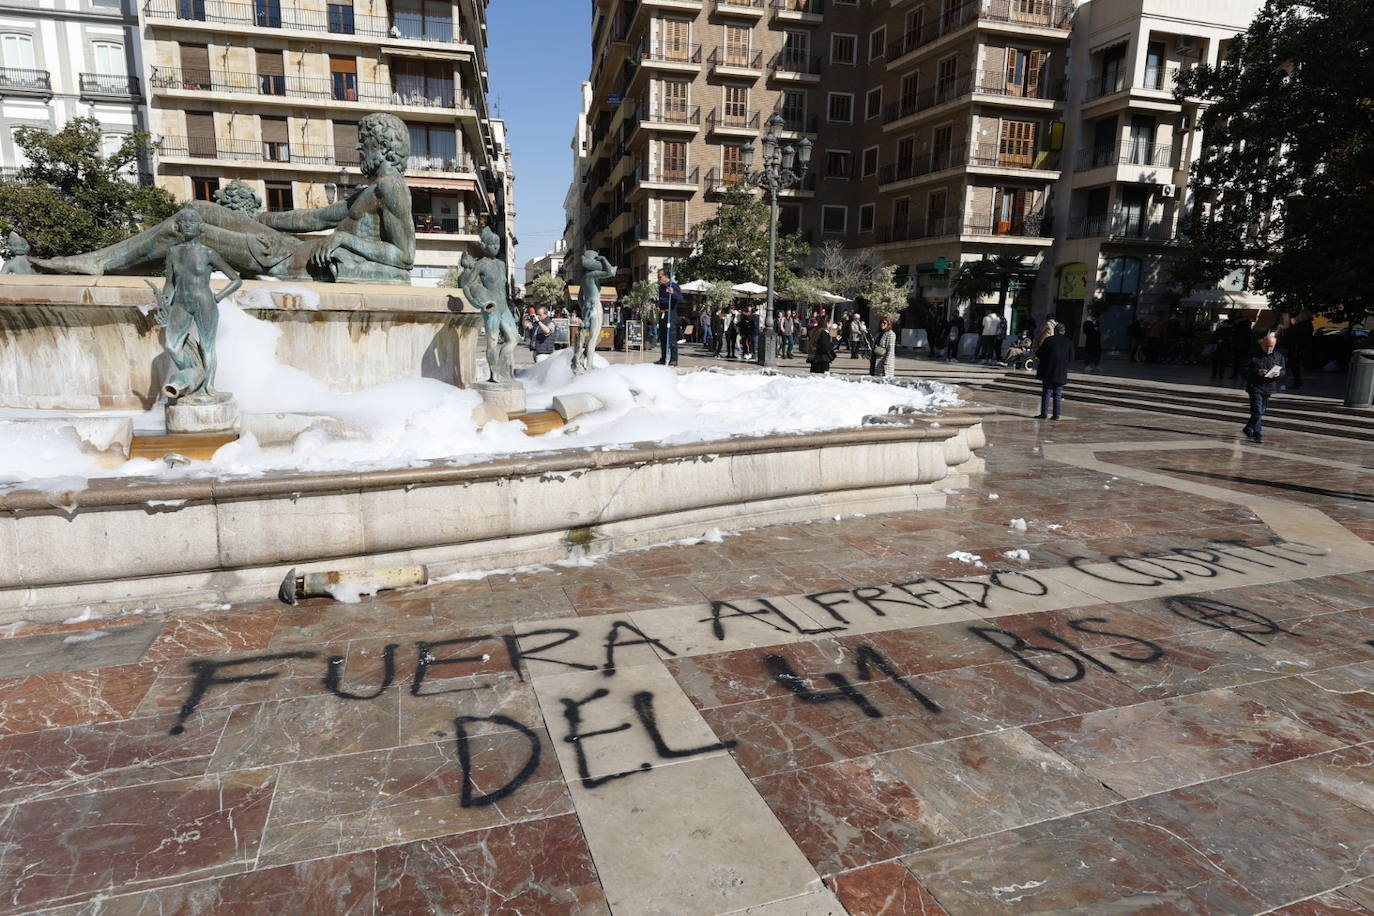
[[24, 82], [685, 117], [672, 58], [718, 181], [108, 85], [232, 150], [664, 237], [1119, 227], [937, 160], [794, 123], [1131, 152], [440, 164], [744, 123], [805, 188], [995, 82], [1031, 226], [336, 19], [914, 230], [728, 62], [810, 12], [1156, 79], [661, 179], [1007, 156], [1057, 14], [425, 224], [795, 66], [751, 9], [404, 91]]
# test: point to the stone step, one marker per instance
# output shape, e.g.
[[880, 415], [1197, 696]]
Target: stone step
[[1296, 421]]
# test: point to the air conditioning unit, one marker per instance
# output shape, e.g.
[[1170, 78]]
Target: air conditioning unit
[[1186, 44], [1167, 190]]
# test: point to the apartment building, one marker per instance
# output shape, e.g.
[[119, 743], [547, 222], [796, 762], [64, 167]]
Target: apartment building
[[944, 131], [574, 210], [68, 59], [1125, 187], [550, 262], [271, 91]]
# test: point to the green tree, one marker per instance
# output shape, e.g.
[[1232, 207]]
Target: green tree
[[642, 300], [997, 274], [719, 296], [733, 244], [72, 198], [861, 275], [546, 290], [1285, 179]]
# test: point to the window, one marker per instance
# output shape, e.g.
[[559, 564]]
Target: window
[[837, 163], [866, 217], [109, 58], [275, 144], [870, 162], [945, 77], [942, 147], [834, 219], [200, 134], [1123, 276], [674, 160], [271, 72], [204, 188], [877, 41], [914, 26], [17, 51], [937, 208], [675, 95], [736, 106], [794, 110], [279, 197], [840, 107], [911, 84], [796, 52], [677, 39], [873, 103], [1017, 144], [906, 151], [343, 75], [1011, 211], [737, 38], [191, 9], [732, 161], [340, 16], [431, 148], [1023, 72], [267, 14], [673, 219], [843, 48], [901, 216], [195, 67]]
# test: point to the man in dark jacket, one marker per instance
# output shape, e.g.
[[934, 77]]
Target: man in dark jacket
[[1052, 369], [1262, 374], [1298, 339], [1092, 345], [669, 298]]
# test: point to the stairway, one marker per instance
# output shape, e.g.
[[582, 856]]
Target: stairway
[[1297, 412]]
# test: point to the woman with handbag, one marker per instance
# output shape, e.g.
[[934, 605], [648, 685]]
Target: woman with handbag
[[822, 351], [885, 351]]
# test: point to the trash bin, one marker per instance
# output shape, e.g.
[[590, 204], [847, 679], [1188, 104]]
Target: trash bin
[[1359, 389]]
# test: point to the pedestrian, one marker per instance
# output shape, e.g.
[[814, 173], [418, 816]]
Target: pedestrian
[[731, 332], [746, 332], [855, 333], [704, 322], [822, 350], [1298, 340], [1263, 370], [1052, 368], [1045, 332], [987, 341], [1135, 338], [1220, 345], [717, 331], [1092, 344], [787, 330], [953, 335], [542, 342], [884, 362], [669, 298]]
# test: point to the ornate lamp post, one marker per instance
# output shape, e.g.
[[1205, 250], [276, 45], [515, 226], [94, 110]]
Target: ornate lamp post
[[776, 175]]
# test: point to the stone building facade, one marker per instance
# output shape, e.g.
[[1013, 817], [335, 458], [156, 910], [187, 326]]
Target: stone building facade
[[68, 59], [943, 130], [271, 92]]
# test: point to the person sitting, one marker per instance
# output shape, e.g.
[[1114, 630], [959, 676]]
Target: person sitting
[[1021, 346]]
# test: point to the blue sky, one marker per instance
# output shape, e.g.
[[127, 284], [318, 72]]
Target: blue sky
[[539, 53]]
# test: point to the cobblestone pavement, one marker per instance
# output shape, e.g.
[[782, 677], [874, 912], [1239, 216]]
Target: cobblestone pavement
[[1131, 669]]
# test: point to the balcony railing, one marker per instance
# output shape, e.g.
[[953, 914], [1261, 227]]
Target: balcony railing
[[422, 163], [1161, 79], [718, 119], [25, 81], [660, 175], [1119, 226], [788, 61], [411, 91], [903, 231], [424, 223], [682, 115], [1131, 152], [663, 236], [1029, 226], [108, 84], [739, 60], [995, 155], [799, 123], [719, 181], [995, 82], [739, 6], [937, 160], [672, 55], [258, 150], [337, 19], [1052, 14], [813, 7]]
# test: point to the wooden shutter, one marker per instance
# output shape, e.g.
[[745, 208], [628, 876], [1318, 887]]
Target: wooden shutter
[[200, 133], [270, 63], [674, 219], [737, 45], [732, 162], [736, 104], [1017, 145], [1037, 64], [675, 93], [274, 130], [674, 159], [195, 67], [346, 142], [676, 38], [901, 213]]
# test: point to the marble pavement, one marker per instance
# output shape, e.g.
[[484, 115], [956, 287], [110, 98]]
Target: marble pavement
[[1130, 670]]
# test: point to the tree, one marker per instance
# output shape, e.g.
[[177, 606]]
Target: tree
[[71, 198], [862, 275], [546, 290], [1285, 179], [642, 300], [719, 296], [733, 244], [997, 274]]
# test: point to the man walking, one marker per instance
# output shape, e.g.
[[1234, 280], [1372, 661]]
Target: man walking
[[987, 341], [1262, 373], [669, 297], [787, 328], [1052, 369]]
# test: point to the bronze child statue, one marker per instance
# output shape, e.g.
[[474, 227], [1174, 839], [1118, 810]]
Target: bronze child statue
[[484, 283], [595, 268], [187, 302]]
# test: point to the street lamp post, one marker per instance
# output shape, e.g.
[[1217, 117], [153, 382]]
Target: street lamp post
[[776, 175]]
